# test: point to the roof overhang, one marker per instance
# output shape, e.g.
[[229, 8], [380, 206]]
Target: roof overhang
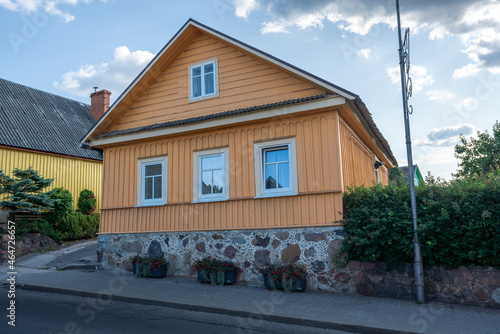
[[223, 121]]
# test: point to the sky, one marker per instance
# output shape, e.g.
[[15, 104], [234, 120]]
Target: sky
[[67, 47]]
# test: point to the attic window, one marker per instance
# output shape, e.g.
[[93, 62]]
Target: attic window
[[203, 80]]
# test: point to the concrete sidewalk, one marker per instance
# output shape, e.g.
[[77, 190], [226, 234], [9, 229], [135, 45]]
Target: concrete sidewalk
[[349, 313]]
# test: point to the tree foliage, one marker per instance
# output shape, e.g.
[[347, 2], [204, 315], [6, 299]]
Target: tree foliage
[[479, 156], [87, 202], [24, 192], [63, 205]]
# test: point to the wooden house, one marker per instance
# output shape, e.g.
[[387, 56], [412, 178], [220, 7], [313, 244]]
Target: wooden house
[[218, 148], [43, 130]]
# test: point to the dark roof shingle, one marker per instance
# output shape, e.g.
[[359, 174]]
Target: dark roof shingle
[[40, 121]]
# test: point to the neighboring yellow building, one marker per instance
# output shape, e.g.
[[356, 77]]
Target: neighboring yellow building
[[43, 130]]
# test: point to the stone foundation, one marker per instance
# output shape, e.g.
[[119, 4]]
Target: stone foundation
[[249, 249], [313, 247]]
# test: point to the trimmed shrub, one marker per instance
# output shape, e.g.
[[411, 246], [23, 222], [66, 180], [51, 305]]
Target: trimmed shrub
[[63, 205], [459, 222], [39, 226], [87, 202], [79, 226]]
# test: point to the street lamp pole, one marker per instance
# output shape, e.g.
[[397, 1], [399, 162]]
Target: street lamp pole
[[406, 89]]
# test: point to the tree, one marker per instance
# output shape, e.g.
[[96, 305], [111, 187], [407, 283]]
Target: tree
[[24, 192], [479, 156]]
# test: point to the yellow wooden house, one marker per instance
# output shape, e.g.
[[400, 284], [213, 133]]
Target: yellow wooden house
[[218, 148], [43, 130]]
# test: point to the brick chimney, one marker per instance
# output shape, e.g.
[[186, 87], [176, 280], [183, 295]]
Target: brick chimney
[[99, 103]]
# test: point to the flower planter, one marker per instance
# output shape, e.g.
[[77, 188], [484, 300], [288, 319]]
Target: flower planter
[[229, 277], [161, 271], [267, 285], [298, 285]]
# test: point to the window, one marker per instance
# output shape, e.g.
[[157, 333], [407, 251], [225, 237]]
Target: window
[[203, 80], [152, 181], [210, 175], [275, 168]]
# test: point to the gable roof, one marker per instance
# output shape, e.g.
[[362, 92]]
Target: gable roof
[[36, 120], [177, 43]]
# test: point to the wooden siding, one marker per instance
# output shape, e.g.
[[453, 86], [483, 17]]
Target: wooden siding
[[72, 174], [357, 160], [244, 81], [318, 202]]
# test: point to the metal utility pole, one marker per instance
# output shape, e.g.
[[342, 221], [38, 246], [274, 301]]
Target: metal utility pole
[[406, 89]]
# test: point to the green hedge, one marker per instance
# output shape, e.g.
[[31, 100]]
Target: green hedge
[[79, 226], [459, 223]]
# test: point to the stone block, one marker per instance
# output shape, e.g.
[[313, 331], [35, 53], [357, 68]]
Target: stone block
[[291, 254], [334, 247], [261, 258], [230, 252], [131, 246], [276, 243], [318, 266], [364, 289], [200, 247], [342, 277], [310, 252], [217, 237], [481, 295], [283, 235], [154, 250], [315, 237], [260, 242]]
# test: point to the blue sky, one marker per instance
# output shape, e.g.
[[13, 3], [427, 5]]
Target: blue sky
[[66, 47]]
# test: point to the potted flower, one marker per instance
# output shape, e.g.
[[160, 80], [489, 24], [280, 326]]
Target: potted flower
[[216, 272], [290, 277], [149, 267]]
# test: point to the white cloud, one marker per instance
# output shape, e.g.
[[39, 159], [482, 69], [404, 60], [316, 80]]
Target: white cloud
[[468, 103], [274, 27], [51, 7], [439, 95], [365, 53], [418, 74], [114, 76], [475, 23], [466, 71], [244, 7]]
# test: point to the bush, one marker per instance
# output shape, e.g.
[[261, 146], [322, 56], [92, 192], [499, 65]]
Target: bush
[[79, 226], [63, 205], [40, 226], [87, 202], [459, 222]]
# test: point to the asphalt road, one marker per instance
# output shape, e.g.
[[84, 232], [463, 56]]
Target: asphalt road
[[38, 312]]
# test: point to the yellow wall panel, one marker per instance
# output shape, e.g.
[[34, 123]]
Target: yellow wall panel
[[70, 173]]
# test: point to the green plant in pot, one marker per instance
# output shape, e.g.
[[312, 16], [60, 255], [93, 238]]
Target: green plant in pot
[[287, 277], [215, 271], [149, 267]]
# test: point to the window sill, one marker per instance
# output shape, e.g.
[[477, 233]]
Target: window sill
[[208, 200], [277, 195], [150, 204]]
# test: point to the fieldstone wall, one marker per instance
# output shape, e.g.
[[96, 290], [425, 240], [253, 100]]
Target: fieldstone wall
[[28, 243], [313, 247], [249, 249]]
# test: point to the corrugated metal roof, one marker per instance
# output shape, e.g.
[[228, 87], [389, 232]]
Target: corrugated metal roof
[[40, 121], [212, 116]]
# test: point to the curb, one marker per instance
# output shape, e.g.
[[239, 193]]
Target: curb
[[81, 267], [361, 329]]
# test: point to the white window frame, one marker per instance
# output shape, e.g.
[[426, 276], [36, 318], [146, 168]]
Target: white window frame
[[141, 164], [259, 149], [197, 193], [216, 80]]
